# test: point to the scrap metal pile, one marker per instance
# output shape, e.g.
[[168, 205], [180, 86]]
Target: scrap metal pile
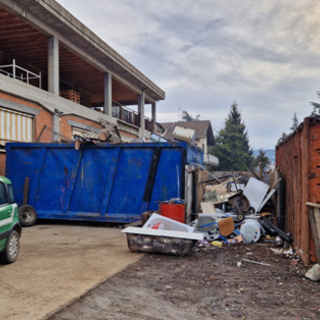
[[98, 132], [233, 212]]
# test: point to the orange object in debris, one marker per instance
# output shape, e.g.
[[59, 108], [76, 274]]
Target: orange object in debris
[[158, 226], [226, 226], [173, 211]]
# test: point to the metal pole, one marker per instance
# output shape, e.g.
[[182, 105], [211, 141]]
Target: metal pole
[[141, 98], [40, 79], [14, 68], [107, 94], [154, 116]]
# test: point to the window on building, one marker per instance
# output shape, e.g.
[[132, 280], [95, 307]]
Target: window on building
[[15, 126], [77, 132]]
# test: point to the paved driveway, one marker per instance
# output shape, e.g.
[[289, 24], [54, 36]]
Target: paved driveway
[[56, 265]]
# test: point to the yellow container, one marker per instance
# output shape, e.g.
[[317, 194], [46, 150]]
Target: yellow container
[[217, 244]]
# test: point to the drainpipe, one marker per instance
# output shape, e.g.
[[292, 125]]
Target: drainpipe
[[56, 125]]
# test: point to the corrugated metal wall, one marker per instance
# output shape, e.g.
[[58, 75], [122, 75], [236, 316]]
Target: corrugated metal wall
[[298, 159]]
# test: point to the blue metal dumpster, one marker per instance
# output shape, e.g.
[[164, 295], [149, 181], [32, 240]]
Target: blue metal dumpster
[[115, 183]]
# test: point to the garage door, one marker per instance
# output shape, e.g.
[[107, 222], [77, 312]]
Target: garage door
[[15, 126]]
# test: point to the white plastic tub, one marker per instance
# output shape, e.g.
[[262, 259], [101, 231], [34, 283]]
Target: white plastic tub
[[168, 223], [161, 241]]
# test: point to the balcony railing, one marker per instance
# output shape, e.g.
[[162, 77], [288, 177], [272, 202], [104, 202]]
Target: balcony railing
[[130, 116], [119, 112], [16, 72]]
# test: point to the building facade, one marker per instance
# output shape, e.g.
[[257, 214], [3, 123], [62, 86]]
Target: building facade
[[58, 78]]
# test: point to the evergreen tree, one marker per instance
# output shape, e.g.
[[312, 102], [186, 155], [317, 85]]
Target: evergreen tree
[[261, 161], [232, 143], [282, 138], [316, 107], [295, 122], [314, 113], [186, 116]]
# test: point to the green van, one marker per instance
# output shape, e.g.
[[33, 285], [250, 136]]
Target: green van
[[10, 228]]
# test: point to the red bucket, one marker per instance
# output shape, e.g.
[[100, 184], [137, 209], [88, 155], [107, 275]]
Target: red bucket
[[173, 211]]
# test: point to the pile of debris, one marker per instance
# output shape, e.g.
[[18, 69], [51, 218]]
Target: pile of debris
[[231, 212], [109, 133], [234, 213]]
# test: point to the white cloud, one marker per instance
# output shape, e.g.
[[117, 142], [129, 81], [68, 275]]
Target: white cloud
[[207, 53]]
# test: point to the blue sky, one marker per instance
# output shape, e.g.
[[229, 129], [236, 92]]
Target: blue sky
[[205, 54]]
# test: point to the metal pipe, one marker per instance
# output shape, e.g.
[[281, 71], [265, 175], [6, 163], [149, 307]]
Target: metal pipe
[[14, 68], [6, 65]]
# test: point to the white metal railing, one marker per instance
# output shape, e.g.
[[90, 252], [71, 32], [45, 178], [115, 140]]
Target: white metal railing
[[210, 159], [25, 76]]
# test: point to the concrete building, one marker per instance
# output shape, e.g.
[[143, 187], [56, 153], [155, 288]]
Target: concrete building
[[204, 137], [55, 72]]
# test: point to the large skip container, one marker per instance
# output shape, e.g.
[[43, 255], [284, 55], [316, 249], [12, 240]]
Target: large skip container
[[114, 183]]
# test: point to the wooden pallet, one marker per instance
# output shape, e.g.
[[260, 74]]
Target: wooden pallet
[[71, 95]]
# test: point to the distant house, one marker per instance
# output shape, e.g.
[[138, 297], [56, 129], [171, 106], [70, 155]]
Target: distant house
[[204, 137]]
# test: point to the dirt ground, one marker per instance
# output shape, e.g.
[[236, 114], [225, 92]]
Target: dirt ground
[[58, 263], [204, 285]]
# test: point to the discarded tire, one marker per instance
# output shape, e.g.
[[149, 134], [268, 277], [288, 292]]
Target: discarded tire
[[27, 215]]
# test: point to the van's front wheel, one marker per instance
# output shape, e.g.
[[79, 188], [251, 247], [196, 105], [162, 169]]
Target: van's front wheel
[[27, 215], [10, 255]]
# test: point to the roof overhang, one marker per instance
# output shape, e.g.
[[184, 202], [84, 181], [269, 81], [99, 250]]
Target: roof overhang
[[51, 19]]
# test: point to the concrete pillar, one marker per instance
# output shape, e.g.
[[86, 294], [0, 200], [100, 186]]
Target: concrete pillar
[[154, 116], [53, 65], [141, 113], [56, 127], [107, 94]]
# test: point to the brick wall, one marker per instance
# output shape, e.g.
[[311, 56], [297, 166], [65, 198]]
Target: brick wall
[[18, 100], [66, 129], [42, 119]]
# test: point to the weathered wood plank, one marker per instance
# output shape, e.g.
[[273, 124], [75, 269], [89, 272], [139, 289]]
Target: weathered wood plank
[[314, 217]]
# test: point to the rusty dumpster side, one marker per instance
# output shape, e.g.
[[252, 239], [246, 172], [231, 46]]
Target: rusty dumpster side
[[298, 159]]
